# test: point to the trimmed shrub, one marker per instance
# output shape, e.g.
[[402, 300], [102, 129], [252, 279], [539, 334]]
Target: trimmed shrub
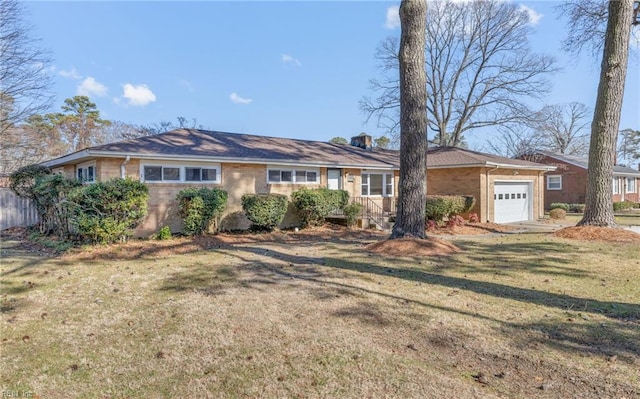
[[313, 205], [200, 208], [557, 213], [163, 234], [351, 212], [265, 211], [431, 225], [559, 205], [622, 206], [455, 221], [107, 212], [576, 208], [440, 206]]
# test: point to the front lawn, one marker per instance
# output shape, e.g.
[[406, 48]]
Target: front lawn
[[316, 315]]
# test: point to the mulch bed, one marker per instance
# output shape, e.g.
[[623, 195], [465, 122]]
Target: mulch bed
[[431, 246], [594, 233]]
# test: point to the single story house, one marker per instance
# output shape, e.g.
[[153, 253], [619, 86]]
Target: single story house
[[568, 183], [506, 190]]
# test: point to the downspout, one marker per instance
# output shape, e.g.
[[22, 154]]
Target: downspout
[[487, 190], [123, 171]]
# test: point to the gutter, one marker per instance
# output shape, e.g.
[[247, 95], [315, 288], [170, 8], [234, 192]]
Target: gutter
[[123, 171]]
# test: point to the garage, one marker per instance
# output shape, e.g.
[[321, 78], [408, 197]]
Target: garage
[[512, 201]]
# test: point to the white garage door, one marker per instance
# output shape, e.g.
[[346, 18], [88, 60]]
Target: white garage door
[[512, 202]]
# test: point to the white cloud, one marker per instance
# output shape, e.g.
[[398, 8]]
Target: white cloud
[[393, 17], [72, 74], [235, 98], [91, 87], [534, 16], [287, 59], [138, 95]]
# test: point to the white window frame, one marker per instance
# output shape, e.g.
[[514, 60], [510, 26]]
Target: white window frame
[[616, 185], [83, 170], [559, 182], [293, 172], [387, 181], [631, 180], [182, 177]]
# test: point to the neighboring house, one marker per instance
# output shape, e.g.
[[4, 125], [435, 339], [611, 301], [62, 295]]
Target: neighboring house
[[505, 189], [568, 183]]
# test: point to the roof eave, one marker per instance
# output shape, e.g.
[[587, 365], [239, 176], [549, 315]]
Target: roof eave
[[175, 157]]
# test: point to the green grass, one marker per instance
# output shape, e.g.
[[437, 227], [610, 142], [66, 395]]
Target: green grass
[[325, 318]]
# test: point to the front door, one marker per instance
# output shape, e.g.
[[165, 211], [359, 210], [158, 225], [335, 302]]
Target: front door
[[334, 179]]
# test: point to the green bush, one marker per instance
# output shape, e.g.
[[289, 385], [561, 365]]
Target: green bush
[[622, 206], [559, 205], [313, 205], [576, 208], [107, 212], [557, 213], [440, 206], [163, 234], [200, 208], [265, 211], [351, 212]]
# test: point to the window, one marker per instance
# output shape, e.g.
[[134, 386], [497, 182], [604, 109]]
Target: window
[[377, 184], [200, 174], [87, 174], [631, 185], [554, 182], [616, 185], [180, 174], [296, 176]]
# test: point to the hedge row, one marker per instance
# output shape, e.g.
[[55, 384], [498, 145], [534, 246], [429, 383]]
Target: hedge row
[[441, 206], [574, 208], [314, 205], [265, 211]]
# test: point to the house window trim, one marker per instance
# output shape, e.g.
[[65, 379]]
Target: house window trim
[[384, 174], [549, 183], [627, 180], [182, 172], [616, 185], [87, 165], [294, 172]]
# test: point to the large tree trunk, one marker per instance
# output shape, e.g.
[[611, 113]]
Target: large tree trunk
[[412, 187], [606, 116]]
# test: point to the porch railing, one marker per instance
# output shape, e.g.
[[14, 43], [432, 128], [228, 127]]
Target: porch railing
[[372, 210]]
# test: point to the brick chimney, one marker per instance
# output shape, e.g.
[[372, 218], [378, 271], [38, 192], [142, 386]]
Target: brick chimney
[[363, 141]]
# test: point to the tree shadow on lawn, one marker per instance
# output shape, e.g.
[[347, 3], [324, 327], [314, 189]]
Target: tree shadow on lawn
[[616, 337], [615, 310], [545, 258]]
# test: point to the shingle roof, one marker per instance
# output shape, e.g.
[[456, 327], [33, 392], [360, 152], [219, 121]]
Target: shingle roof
[[583, 162], [220, 146], [452, 156]]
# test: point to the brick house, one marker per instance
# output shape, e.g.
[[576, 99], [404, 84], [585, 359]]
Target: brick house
[[568, 183], [505, 189]]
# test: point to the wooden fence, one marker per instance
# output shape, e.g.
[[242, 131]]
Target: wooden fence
[[15, 211]]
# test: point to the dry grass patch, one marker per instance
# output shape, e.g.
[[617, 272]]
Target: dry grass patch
[[517, 316]]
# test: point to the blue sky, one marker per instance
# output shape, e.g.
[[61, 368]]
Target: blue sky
[[286, 69]]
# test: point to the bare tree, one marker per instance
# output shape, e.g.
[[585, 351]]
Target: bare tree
[[563, 128], [559, 128], [515, 141], [412, 187], [629, 146], [606, 117], [587, 23], [480, 70], [24, 69]]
